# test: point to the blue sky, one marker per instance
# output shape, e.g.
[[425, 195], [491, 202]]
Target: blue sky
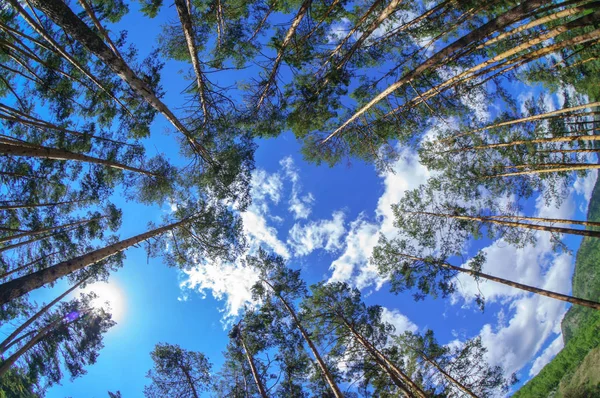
[[326, 222]]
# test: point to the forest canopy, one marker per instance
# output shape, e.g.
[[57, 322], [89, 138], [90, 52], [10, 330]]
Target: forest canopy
[[140, 125]]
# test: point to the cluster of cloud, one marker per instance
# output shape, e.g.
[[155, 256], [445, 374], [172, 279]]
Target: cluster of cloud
[[512, 343]]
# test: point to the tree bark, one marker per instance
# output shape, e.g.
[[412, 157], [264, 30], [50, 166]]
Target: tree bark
[[34, 205], [49, 229], [23, 285], [574, 167], [22, 267], [328, 377]]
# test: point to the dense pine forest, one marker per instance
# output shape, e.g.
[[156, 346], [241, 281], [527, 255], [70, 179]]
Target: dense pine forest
[[146, 129]]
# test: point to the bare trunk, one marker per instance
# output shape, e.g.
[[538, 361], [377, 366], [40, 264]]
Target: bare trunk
[[494, 220], [23, 285], [286, 41], [570, 138], [44, 230], [465, 389], [25, 266], [34, 205], [36, 151], [186, 24], [575, 167], [259, 385], [527, 288]]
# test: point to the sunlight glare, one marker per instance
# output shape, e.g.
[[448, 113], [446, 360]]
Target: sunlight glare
[[108, 293]]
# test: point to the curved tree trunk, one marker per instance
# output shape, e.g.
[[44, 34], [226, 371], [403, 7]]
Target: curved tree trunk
[[23, 285]]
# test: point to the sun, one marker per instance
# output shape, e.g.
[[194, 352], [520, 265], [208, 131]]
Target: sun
[[110, 297]]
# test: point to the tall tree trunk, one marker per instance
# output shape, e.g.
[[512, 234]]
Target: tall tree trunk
[[328, 377], [494, 220], [250, 359], [457, 383], [186, 372], [552, 220], [37, 151], [570, 138], [188, 31], [63, 16], [574, 167], [515, 14], [23, 285], [286, 41], [557, 296], [4, 345], [36, 239], [532, 118], [392, 369]]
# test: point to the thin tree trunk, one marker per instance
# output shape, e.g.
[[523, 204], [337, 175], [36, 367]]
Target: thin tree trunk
[[448, 376], [382, 359], [569, 138], [286, 41], [540, 21], [328, 377], [49, 229], [186, 372], [23, 285], [4, 345], [575, 167], [506, 19], [532, 118], [34, 205], [389, 10], [37, 151], [63, 16], [5, 366], [527, 288], [491, 219], [186, 24], [61, 51], [29, 264], [259, 385], [36, 239], [552, 220]]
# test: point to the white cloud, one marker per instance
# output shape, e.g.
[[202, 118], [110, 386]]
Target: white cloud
[[398, 320], [547, 355], [259, 233], [226, 281], [353, 264], [535, 319], [322, 234], [299, 205]]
